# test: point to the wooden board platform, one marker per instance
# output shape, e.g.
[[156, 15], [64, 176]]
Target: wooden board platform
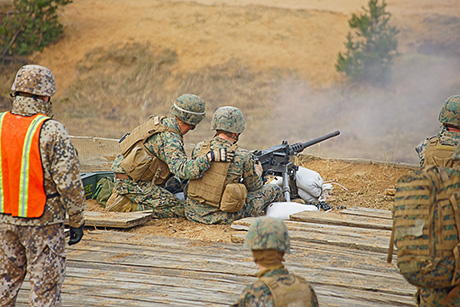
[[112, 268], [122, 220]]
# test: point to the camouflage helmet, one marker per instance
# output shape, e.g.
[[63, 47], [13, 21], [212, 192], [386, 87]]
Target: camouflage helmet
[[268, 233], [450, 112], [34, 80], [228, 119], [189, 108]]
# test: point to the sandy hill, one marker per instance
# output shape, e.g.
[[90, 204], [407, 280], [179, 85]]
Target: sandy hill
[[120, 61]]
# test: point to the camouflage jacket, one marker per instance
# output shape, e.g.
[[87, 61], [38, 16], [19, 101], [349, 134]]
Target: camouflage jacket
[[241, 170], [61, 169], [169, 147], [445, 138], [258, 294]]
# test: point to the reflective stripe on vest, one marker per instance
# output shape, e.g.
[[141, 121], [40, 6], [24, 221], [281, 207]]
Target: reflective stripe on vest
[[22, 192]]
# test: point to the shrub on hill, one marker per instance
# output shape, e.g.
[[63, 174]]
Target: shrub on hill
[[30, 26], [371, 47]]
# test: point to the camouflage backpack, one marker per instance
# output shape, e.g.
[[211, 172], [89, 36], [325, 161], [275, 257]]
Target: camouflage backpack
[[426, 226]]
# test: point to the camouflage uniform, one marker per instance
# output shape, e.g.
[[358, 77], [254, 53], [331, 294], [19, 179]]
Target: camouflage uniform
[[435, 297], [448, 116], [270, 234], [445, 137], [168, 146], [258, 294], [258, 198], [36, 245], [241, 170], [434, 276]]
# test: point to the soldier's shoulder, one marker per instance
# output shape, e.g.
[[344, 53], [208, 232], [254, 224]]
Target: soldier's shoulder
[[53, 128], [244, 153]]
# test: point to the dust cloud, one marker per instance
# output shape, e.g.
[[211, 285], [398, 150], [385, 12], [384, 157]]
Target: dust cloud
[[383, 124]]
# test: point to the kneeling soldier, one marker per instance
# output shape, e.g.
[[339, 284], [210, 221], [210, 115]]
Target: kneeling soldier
[[228, 191]]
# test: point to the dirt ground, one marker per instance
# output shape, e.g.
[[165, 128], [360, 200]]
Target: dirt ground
[[356, 183]]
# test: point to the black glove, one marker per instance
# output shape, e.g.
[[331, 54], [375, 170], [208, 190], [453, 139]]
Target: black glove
[[220, 155], [76, 234]]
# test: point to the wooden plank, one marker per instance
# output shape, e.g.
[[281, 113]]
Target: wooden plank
[[125, 269], [342, 240], [369, 212], [360, 238], [240, 264], [116, 219], [342, 220]]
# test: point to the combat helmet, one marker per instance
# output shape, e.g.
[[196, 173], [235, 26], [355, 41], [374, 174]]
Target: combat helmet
[[34, 80], [268, 233], [189, 108], [450, 112], [228, 119]]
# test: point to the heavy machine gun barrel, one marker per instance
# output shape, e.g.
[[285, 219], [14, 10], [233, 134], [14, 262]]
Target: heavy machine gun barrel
[[299, 147]]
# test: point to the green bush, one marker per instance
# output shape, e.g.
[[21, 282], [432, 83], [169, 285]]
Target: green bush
[[370, 49], [32, 25]]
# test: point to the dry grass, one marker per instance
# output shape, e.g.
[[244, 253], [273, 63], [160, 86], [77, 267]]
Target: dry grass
[[119, 87]]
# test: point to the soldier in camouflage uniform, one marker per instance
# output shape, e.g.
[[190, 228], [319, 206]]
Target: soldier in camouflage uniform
[[438, 150], [39, 183], [228, 191], [268, 239], [426, 232], [153, 156]]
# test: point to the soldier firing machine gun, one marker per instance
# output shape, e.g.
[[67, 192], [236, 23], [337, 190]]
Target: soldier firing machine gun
[[276, 161]]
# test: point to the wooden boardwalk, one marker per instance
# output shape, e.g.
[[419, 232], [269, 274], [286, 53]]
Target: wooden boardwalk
[[343, 259]]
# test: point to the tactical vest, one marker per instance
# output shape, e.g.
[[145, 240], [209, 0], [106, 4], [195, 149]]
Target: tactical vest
[[22, 192], [296, 295], [212, 189], [426, 227], [438, 154], [138, 162]]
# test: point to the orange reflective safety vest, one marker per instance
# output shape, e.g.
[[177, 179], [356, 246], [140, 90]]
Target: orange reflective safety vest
[[22, 191]]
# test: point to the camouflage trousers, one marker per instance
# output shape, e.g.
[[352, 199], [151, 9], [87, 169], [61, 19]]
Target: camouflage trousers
[[256, 203], [38, 250], [149, 196], [430, 297]]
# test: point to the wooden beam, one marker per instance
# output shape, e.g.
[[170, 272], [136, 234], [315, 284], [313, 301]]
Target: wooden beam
[[116, 219]]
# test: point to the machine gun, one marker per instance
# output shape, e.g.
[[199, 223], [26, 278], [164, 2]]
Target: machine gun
[[276, 161]]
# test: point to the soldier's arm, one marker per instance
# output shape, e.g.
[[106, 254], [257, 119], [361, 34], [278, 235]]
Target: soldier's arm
[[65, 171], [251, 179], [420, 149], [171, 151]]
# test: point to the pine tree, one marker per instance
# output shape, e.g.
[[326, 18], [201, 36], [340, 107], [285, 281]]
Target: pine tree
[[31, 26], [371, 48]]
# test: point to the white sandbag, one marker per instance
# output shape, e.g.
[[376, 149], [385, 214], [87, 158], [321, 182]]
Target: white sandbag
[[327, 188], [282, 210], [309, 181], [308, 198]]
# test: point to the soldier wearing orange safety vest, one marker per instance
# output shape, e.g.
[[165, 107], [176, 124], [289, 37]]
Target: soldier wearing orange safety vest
[[39, 183]]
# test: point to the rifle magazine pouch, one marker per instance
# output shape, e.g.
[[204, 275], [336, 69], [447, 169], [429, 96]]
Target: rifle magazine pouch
[[234, 197], [138, 164]]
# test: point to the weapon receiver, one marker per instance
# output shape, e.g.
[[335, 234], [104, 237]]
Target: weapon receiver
[[276, 160]]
